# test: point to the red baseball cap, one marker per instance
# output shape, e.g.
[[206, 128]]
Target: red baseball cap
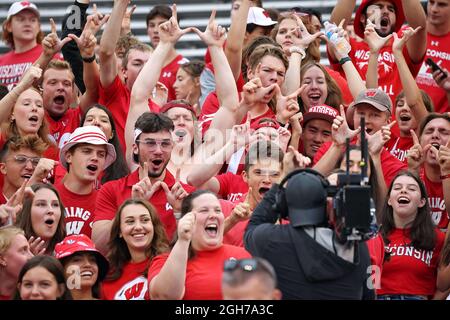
[[176, 104], [358, 26], [81, 243], [322, 112]]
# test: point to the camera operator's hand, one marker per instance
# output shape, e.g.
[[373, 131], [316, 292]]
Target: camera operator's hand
[[377, 140], [340, 130]]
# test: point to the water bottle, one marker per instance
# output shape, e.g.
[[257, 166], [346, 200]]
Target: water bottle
[[340, 43]]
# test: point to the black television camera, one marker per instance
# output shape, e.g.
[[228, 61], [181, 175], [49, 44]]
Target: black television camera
[[354, 209]]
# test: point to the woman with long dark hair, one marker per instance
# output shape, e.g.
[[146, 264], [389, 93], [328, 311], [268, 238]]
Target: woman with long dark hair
[[412, 242], [137, 236]]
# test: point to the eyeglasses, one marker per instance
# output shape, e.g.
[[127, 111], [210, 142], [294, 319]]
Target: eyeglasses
[[152, 143], [22, 160], [248, 265]]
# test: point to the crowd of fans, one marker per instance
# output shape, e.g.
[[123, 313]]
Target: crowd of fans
[[129, 172]]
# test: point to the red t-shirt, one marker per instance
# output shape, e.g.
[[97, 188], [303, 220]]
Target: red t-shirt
[[169, 75], [13, 65], [132, 284], [79, 213], [399, 146], [436, 200], [438, 49], [203, 272], [232, 186], [409, 270], [114, 193], [62, 128], [116, 97], [390, 165], [388, 76]]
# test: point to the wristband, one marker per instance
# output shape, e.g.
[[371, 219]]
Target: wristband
[[298, 50], [88, 60], [344, 60], [445, 176]]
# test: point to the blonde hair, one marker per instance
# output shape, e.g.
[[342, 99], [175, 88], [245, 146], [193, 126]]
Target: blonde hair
[[7, 235]]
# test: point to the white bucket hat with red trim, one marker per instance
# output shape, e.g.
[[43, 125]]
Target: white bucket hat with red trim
[[90, 135]]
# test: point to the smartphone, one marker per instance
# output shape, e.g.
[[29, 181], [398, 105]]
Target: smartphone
[[434, 66]]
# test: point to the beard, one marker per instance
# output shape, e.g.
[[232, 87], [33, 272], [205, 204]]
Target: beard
[[156, 173]]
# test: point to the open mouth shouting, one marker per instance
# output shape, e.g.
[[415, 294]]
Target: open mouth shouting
[[262, 191], [314, 98], [92, 168], [49, 222], [212, 229], [404, 117], [59, 100], [34, 120], [403, 200]]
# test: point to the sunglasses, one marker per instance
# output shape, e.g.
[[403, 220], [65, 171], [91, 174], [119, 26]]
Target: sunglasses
[[248, 265]]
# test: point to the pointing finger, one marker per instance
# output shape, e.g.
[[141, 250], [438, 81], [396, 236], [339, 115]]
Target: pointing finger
[[52, 26], [174, 12], [414, 137], [212, 17], [390, 125], [177, 175]]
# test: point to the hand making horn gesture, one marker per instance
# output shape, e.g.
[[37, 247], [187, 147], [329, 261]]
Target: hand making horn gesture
[[51, 43], [214, 35], [144, 189], [340, 130], [176, 194], [170, 30], [287, 106], [416, 154]]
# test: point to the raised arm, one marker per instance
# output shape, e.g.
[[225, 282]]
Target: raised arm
[[107, 56], [235, 39], [415, 16], [375, 43], [206, 167], [376, 144], [51, 45], [340, 133], [142, 89], [70, 50], [342, 10], [354, 80], [301, 40], [91, 75], [412, 92], [169, 284], [214, 37], [33, 74]]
